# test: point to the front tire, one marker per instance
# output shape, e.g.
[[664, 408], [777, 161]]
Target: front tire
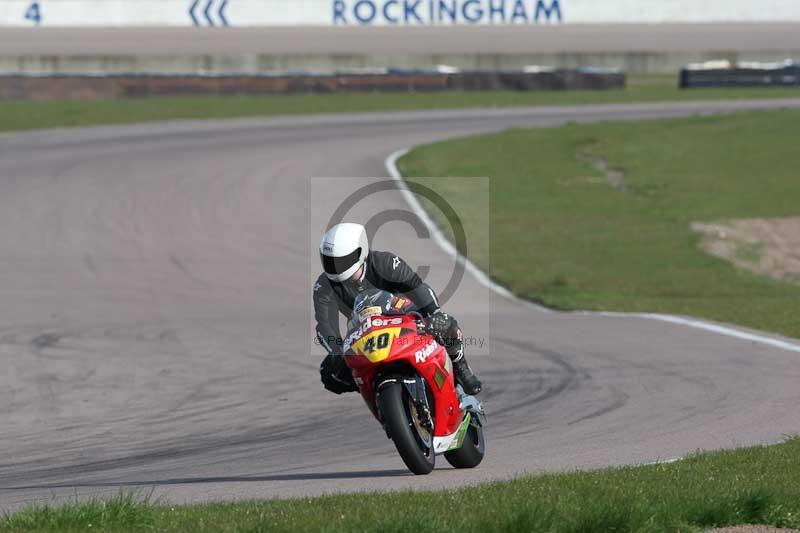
[[472, 449], [414, 447]]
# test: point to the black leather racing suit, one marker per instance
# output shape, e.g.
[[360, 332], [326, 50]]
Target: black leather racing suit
[[384, 271]]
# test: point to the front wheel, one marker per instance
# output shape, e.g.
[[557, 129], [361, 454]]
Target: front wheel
[[470, 454], [413, 441]]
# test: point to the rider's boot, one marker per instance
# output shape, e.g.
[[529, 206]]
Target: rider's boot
[[450, 336], [465, 376]]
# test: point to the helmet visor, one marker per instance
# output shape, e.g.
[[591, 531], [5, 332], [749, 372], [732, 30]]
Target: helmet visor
[[337, 265]]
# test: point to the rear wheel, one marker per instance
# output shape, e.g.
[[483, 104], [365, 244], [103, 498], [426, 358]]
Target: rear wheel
[[413, 441], [470, 454]]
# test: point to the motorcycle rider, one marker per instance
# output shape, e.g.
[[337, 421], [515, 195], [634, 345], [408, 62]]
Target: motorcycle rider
[[350, 268]]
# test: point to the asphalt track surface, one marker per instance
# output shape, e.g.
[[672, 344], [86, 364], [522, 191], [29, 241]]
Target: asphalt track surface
[[156, 329], [749, 39]]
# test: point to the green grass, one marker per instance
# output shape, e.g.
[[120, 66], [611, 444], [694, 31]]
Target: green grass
[[751, 485], [562, 235], [23, 115]]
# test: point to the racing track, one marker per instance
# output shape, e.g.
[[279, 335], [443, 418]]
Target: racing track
[[155, 328]]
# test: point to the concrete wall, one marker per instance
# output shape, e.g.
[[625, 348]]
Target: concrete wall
[[114, 13]]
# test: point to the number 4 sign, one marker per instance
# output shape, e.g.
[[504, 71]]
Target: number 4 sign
[[34, 13]]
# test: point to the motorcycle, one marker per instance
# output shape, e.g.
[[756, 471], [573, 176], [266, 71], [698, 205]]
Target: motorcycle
[[406, 379]]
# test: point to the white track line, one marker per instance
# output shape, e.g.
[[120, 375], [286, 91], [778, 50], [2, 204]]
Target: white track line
[[391, 167], [443, 242], [663, 461], [715, 328]]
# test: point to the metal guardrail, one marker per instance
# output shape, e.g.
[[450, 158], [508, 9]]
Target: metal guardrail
[[743, 74]]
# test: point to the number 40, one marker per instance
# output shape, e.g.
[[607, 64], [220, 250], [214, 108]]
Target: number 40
[[383, 342], [34, 13]]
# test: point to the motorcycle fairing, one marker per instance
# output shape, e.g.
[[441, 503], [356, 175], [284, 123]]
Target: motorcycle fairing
[[454, 440], [407, 351]]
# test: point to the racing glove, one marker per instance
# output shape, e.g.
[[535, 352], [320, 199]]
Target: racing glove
[[445, 329], [441, 324], [336, 375]]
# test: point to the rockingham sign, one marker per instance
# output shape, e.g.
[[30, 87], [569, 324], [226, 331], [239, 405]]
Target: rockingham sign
[[223, 13], [440, 12]]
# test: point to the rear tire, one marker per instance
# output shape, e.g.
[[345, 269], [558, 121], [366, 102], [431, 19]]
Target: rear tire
[[394, 404], [472, 449]]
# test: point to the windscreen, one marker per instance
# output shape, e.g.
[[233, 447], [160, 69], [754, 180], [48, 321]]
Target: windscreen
[[372, 302]]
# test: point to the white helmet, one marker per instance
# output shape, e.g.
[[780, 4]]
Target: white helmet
[[344, 248]]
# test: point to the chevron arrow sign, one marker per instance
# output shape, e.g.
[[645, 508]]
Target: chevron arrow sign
[[203, 13]]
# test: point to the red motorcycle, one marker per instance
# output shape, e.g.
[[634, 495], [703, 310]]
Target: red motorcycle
[[406, 379]]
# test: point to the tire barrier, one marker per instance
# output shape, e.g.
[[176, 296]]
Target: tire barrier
[[112, 86]]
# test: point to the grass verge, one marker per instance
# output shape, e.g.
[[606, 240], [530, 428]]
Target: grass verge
[[750, 485], [598, 216], [23, 115]]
